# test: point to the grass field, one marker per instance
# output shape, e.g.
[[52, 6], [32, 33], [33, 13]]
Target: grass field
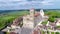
[[6, 18], [53, 13]]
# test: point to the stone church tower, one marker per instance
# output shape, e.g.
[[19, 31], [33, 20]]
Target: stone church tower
[[28, 20], [31, 20], [32, 12]]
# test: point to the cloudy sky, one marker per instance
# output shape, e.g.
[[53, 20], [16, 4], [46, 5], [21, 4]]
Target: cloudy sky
[[27, 4]]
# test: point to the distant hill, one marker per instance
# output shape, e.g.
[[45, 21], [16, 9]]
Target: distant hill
[[6, 11]]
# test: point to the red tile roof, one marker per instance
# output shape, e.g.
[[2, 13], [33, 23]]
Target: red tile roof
[[13, 33], [37, 14], [35, 32]]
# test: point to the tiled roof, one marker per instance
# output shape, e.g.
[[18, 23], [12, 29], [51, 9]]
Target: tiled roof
[[52, 24], [17, 21], [36, 14], [35, 32], [13, 33]]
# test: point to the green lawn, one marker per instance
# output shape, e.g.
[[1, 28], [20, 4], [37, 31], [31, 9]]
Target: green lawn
[[44, 22]]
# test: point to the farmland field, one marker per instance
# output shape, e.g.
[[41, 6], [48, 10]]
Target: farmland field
[[8, 17]]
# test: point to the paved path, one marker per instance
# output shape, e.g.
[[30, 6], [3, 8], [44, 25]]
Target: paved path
[[25, 30]]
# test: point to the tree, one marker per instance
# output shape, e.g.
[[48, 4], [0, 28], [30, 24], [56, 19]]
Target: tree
[[51, 19]]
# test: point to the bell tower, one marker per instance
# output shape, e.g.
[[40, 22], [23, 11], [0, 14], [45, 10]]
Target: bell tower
[[32, 11]]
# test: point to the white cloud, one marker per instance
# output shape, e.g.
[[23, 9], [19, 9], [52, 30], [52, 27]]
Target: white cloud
[[10, 0], [16, 3], [47, 2]]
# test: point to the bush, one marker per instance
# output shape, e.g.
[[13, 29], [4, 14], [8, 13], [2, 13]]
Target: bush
[[51, 19]]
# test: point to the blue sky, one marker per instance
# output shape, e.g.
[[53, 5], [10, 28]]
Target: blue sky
[[27, 4]]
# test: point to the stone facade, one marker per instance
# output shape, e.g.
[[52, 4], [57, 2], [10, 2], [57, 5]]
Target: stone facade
[[33, 18]]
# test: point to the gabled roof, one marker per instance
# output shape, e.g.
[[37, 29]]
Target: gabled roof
[[13, 33], [17, 21]]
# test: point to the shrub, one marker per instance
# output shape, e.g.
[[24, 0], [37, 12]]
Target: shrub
[[57, 32]]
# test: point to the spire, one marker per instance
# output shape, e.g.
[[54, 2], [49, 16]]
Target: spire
[[42, 12], [32, 9]]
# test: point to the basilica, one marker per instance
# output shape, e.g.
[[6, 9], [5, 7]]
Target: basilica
[[33, 18]]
